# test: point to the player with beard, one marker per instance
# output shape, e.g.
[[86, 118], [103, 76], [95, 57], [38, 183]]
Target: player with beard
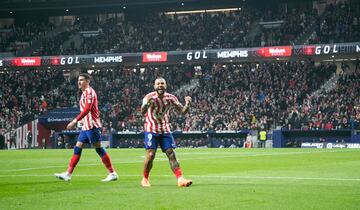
[[156, 107]]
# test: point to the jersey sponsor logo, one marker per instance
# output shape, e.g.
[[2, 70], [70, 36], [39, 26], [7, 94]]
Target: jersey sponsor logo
[[154, 57]]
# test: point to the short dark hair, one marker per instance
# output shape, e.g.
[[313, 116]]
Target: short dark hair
[[86, 76]]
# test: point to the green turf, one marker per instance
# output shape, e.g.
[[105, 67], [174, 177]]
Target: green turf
[[223, 179]]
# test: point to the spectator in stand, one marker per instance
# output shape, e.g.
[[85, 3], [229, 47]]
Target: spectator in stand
[[229, 97], [341, 23]]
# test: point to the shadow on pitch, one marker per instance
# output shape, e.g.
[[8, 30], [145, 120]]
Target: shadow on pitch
[[196, 184]]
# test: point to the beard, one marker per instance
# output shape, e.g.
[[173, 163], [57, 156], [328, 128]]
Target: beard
[[160, 91]]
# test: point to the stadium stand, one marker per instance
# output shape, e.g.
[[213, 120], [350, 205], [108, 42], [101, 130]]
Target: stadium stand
[[17, 37], [338, 23], [229, 97], [27, 94], [156, 32], [341, 23]]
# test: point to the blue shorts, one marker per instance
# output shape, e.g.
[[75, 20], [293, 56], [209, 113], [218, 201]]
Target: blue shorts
[[90, 136], [152, 140]]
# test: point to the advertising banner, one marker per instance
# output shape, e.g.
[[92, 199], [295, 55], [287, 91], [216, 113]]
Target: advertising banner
[[189, 56], [330, 145]]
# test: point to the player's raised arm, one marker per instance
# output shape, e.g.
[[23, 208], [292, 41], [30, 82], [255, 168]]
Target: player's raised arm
[[183, 109]]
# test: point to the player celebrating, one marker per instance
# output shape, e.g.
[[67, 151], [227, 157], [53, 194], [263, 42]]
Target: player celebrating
[[156, 107], [90, 133]]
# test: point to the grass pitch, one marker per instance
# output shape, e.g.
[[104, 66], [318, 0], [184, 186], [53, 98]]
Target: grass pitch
[[222, 179]]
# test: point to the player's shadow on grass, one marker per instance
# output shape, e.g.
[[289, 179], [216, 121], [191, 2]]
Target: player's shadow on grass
[[219, 184], [194, 185]]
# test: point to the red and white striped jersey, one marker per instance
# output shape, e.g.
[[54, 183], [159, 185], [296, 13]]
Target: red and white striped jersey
[[92, 118], [157, 119]]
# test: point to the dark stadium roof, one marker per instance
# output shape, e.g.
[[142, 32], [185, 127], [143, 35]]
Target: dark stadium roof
[[59, 7]]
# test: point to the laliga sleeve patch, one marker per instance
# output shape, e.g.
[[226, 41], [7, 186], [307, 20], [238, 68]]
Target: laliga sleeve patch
[[89, 98]]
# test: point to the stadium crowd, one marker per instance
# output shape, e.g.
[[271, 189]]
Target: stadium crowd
[[16, 37], [235, 97], [22, 100], [341, 24], [335, 109], [295, 22], [228, 97], [153, 32], [276, 28], [159, 31], [24, 95]]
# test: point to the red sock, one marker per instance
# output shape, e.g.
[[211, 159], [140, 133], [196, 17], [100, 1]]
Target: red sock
[[107, 162], [146, 174], [74, 160], [178, 172]]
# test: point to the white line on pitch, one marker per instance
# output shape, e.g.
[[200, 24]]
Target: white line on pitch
[[180, 159], [201, 177]]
